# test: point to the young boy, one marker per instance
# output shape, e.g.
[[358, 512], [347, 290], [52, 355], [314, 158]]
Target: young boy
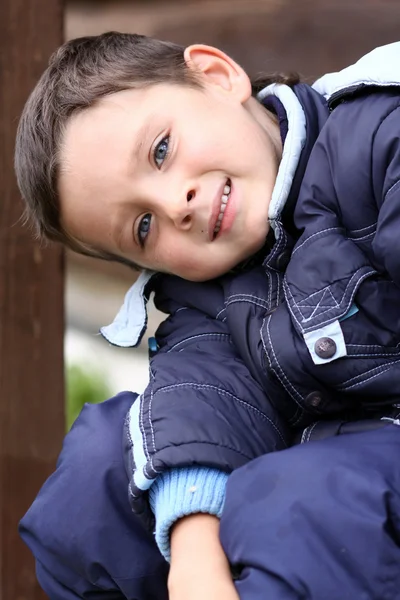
[[140, 151]]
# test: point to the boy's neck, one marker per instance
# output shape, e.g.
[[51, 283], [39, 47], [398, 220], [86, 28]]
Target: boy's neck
[[274, 106]]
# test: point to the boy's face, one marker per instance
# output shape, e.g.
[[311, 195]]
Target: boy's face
[[172, 178]]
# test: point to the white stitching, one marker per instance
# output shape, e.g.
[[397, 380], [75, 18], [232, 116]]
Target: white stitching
[[278, 289], [345, 309], [220, 312], [303, 436], [325, 289], [127, 431], [150, 419], [260, 304], [320, 305], [351, 231], [379, 371], [141, 425], [310, 430], [268, 319], [149, 458], [200, 335], [365, 237], [392, 187], [318, 233], [245, 296], [294, 421], [269, 276], [224, 392], [346, 388]]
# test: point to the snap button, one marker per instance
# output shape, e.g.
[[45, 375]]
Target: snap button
[[325, 347], [314, 399], [282, 260]]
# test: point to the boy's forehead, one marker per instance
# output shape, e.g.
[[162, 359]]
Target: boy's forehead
[[112, 115], [105, 113], [98, 130], [115, 120]]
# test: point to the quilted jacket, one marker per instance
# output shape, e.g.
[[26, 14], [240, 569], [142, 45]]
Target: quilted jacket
[[306, 337], [309, 332]]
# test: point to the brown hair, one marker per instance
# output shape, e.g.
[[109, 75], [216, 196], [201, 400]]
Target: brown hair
[[80, 73], [261, 80]]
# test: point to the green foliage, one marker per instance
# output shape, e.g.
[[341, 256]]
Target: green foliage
[[83, 385]]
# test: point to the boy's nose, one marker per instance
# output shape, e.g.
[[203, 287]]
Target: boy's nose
[[181, 210]]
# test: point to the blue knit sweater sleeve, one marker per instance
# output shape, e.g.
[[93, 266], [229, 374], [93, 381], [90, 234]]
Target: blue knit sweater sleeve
[[181, 492]]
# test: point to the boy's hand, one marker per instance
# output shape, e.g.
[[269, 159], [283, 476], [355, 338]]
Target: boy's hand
[[199, 567]]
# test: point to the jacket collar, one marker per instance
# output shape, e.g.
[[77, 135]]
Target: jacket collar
[[378, 67], [292, 148]]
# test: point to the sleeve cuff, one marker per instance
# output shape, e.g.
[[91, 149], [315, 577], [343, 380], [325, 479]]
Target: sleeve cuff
[[181, 492]]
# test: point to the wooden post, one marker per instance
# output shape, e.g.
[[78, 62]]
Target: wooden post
[[31, 305]]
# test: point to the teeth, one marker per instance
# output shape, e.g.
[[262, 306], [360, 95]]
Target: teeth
[[224, 202]]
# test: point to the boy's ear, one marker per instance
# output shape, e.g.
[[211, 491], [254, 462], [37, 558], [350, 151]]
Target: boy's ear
[[217, 68]]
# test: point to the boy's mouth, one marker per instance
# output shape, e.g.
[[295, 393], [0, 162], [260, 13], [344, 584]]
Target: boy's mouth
[[222, 206]]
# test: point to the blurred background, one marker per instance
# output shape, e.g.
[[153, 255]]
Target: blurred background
[[308, 36]]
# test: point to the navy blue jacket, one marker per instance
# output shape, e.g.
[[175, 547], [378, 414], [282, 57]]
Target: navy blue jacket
[[247, 360], [244, 364]]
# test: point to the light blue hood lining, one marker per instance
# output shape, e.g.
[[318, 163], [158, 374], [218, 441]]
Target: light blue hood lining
[[293, 146], [130, 323]]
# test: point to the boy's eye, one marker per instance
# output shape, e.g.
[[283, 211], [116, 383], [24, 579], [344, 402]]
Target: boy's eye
[[143, 229], [161, 151]]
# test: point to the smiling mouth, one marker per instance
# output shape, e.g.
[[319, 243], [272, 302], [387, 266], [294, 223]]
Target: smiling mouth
[[224, 201]]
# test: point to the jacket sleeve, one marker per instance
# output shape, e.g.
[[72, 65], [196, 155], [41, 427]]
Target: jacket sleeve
[[201, 409], [386, 153], [291, 518]]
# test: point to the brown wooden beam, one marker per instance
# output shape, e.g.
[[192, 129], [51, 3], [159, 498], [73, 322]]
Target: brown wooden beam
[[31, 305]]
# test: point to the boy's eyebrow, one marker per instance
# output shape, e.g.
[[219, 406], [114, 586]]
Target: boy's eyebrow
[[140, 140], [118, 228]]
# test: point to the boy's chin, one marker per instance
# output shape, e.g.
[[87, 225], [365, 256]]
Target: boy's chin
[[221, 265], [213, 272], [219, 270]]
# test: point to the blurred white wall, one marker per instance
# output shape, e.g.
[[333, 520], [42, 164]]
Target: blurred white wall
[[92, 299], [123, 369]]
